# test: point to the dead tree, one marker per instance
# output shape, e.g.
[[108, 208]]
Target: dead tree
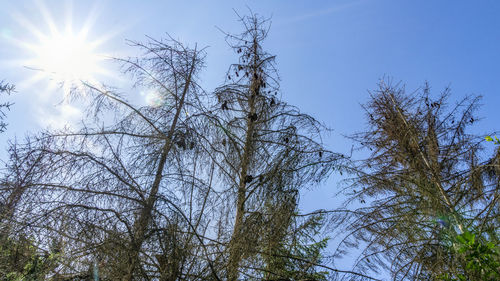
[[116, 191], [265, 152], [424, 181]]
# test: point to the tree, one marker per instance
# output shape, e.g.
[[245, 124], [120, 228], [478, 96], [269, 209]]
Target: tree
[[198, 186], [112, 191], [20, 256], [479, 260], [6, 201], [5, 88], [424, 182], [480, 257], [265, 152], [21, 260]]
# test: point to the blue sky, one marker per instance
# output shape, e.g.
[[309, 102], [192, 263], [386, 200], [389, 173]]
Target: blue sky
[[329, 53]]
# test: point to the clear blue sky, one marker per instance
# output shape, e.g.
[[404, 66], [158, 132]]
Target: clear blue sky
[[329, 53]]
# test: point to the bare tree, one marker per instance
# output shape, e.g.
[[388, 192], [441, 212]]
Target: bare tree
[[194, 187], [117, 193], [426, 179], [265, 152]]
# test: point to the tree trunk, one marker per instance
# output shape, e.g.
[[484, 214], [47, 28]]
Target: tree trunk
[[144, 219]]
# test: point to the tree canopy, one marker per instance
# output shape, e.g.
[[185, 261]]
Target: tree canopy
[[206, 185]]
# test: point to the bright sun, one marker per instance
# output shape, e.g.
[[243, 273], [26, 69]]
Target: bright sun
[[68, 57], [63, 56]]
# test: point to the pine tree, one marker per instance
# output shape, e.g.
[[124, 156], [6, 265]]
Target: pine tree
[[425, 181], [111, 189], [266, 151]]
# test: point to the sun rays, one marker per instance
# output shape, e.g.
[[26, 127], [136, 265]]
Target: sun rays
[[67, 58], [61, 55]]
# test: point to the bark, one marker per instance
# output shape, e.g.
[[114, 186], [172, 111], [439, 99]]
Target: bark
[[141, 225], [235, 247]]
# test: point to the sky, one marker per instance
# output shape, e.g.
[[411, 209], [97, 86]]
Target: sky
[[329, 54]]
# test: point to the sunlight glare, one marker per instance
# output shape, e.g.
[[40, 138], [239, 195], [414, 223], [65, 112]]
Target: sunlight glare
[[70, 58], [62, 56]]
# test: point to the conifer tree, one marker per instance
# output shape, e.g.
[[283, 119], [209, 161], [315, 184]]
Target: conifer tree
[[425, 181], [265, 151], [111, 190]]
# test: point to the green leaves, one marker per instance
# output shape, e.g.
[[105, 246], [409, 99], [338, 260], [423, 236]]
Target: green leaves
[[495, 140], [466, 238], [21, 260], [481, 260]]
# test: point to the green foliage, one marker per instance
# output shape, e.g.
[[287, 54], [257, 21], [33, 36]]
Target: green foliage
[[298, 257], [5, 88], [480, 260], [495, 140], [21, 260]]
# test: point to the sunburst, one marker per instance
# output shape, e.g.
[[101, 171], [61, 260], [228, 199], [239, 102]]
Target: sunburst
[[63, 56]]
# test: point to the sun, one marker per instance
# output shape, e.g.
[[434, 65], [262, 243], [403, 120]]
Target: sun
[[63, 56], [68, 57]]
